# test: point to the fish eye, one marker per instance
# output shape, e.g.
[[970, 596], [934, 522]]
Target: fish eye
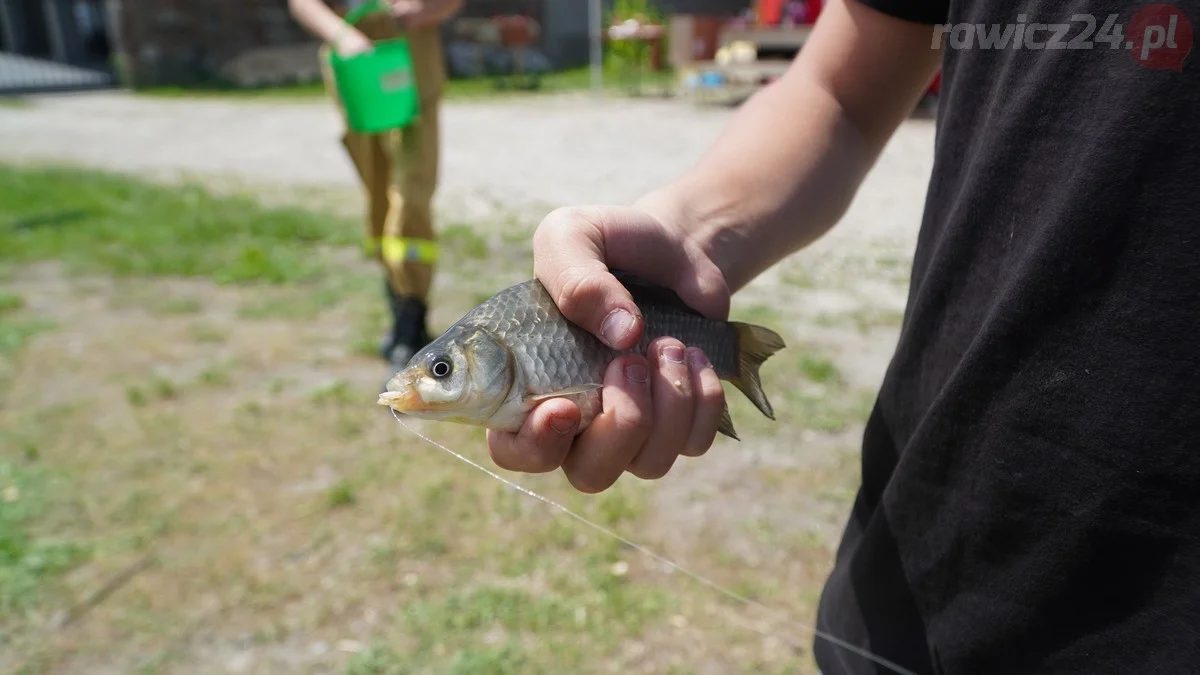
[[441, 367]]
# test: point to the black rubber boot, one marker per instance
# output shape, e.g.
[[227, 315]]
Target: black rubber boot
[[409, 332]]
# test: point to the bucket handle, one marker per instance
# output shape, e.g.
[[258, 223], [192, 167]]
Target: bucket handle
[[355, 15]]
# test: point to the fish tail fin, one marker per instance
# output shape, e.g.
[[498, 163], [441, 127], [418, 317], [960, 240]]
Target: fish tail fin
[[755, 345], [726, 424]]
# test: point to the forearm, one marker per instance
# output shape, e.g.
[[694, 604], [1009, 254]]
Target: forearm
[[787, 167], [317, 18], [773, 182], [440, 10]]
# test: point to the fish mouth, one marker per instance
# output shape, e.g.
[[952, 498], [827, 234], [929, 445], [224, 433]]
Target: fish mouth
[[401, 395], [400, 401], [405, 402]]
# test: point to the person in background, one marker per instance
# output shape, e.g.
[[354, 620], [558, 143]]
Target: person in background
[[398, 170]]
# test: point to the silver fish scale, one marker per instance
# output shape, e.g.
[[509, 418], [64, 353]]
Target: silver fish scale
[[556, 354]]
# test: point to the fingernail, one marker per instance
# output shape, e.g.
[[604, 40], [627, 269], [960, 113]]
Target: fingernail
[[616, 326], [673, 353], [697, 359], [636, 374], [562, 425]]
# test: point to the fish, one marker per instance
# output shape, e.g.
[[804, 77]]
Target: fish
[[516, 349]]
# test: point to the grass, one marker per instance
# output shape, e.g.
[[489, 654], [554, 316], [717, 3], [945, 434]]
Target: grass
[[171, 306], [15, 331], [31, 557], [864, 319], [96, 222], [216, 409], [763, 315], [10, 302], [465, 240], [818, 369]]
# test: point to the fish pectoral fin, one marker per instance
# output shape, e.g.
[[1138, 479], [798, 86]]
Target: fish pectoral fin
[[569, 391]]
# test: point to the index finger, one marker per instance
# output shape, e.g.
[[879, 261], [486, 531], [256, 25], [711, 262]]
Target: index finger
[[569, 260], [574, 248]]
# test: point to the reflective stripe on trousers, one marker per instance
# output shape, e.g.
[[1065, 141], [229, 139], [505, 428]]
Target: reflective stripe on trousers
[[395, 250]]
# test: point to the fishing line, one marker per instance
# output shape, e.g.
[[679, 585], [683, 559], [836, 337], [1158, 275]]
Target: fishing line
[[646, 551]]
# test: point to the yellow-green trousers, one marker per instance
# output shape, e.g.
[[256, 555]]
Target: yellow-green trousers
[[399, 169]]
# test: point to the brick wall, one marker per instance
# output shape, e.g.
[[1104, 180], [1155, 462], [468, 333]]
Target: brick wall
[[179, 42]]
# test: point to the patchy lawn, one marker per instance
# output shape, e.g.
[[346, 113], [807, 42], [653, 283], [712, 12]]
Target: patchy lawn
[[201, 481]]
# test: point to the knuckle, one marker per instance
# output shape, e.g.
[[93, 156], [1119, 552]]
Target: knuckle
[[710, 398], [651, 470], [590, 216], [523, 456], [558, 219], [502, 455], [658, 471], [566, 221], [678, 352], [574, 292], [588, 482], [542, 460]]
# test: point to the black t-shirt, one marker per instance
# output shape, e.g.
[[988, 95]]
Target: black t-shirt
[[1030, 498]]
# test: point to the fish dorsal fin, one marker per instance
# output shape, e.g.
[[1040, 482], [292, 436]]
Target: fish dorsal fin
[[644, 291]]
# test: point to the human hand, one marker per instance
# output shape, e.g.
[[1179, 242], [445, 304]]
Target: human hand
[[417, 14], [406, 8], [655, 408], [351, 41]]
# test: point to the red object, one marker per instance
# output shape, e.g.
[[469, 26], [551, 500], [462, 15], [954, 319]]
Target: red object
[[936, 85], [814, 10], [770, 12]]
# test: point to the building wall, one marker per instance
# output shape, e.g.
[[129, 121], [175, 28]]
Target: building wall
[[186, 42], [24, 29], [566, 28], [253, 42], [564, 23]]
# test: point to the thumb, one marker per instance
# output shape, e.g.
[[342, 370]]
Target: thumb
[[569, 260]]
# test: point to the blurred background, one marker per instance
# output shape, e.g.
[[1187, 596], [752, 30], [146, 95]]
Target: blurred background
[[194, 474]]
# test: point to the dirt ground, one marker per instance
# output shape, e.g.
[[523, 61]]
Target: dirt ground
[[771, 506], [513, 154]]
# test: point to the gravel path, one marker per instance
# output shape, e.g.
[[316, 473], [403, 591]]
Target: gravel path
[[523, 157], [517, 154]]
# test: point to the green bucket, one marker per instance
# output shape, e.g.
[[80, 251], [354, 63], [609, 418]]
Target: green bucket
[[378, 88]]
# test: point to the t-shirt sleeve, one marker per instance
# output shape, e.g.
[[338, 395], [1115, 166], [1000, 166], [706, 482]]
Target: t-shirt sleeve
[[919, 11]]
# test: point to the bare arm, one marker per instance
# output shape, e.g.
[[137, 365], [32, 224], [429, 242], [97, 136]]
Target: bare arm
[[319, 19], [325, 24], [781, 174], [786, 168], [437, 11], [425, 13]]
